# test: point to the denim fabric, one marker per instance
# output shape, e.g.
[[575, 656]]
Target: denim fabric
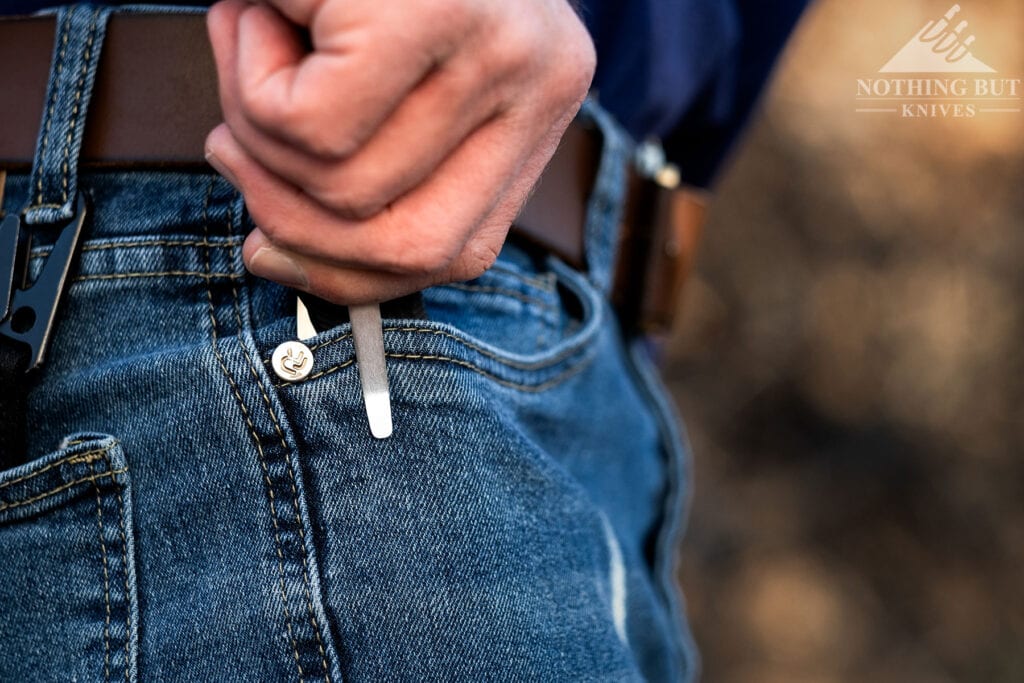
[[182, 514]]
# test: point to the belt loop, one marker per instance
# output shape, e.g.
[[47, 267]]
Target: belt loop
[[605, 206], [76, 51]]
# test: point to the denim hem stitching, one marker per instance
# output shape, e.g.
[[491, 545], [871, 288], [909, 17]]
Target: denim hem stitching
[[518, 365], [259, 448], [76, 459], [62, 487], [675, 509], [295, 493], [295, 507], [328, 371], [167, 273], [530, 388], [41, 252], [106, 576], [58, 68], [124, 569], [77, 108]]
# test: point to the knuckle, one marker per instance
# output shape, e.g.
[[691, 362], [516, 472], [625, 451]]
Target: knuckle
[[351, 202], [275, 228], [319, 134], [306, 124], [420, 261], [575, 70], [270, 227], [420, 258], [514, 53], [477, 261], [258, 108]]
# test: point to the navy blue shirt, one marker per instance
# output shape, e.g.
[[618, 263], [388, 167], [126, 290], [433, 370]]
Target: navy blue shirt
[[686, 71]]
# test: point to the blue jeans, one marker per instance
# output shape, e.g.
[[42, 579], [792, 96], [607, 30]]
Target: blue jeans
[[185, 515]]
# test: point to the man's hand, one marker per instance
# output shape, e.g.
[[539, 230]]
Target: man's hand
[[381, 146]]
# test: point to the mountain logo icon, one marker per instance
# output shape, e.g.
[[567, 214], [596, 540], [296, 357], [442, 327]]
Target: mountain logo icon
[[939, 47]]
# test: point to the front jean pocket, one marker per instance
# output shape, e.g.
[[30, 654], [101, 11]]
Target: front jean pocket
[[69, 607], [528, 330]]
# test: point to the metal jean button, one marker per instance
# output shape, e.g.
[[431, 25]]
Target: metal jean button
[[292, 361]]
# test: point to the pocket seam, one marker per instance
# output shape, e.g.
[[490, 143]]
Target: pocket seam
[[75, 459], [98, 245], [532, 388], [63, 487], [518, 365], [263, 460], [106, 567]]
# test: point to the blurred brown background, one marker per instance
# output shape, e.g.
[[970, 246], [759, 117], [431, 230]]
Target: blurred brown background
[[850, 366]]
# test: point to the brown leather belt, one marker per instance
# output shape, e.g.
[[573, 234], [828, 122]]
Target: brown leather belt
[[156, 100]]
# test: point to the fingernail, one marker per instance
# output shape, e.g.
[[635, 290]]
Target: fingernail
[[219, 166], [275, 265]]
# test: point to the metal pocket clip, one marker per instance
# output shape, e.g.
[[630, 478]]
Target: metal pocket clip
[[28, 309]]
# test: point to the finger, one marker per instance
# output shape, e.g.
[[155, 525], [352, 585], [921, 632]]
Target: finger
[[331, 100], [222, 22], [430, 123], [422, 232], [294, 221], [338, 284], [483, 247], [300, 12], [222, 27], [346, 285]]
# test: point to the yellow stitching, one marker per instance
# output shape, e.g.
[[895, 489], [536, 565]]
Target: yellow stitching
[[75, 459], [169, 273], [347, 335], [484, 352], [470, 345], [64, 487], [58, 69], [535, 388], [474, 347], [227, 244], [86, 458], [320, 374], [295, 492], [79, 87], [40, 252], [124, 560], [273, 513], [295, 507], [259, 447], [106, 579]]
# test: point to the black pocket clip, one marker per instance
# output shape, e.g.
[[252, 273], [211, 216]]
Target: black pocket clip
[[28, 310]]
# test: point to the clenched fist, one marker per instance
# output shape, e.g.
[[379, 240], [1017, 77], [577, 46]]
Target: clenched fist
[[384, 146]]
